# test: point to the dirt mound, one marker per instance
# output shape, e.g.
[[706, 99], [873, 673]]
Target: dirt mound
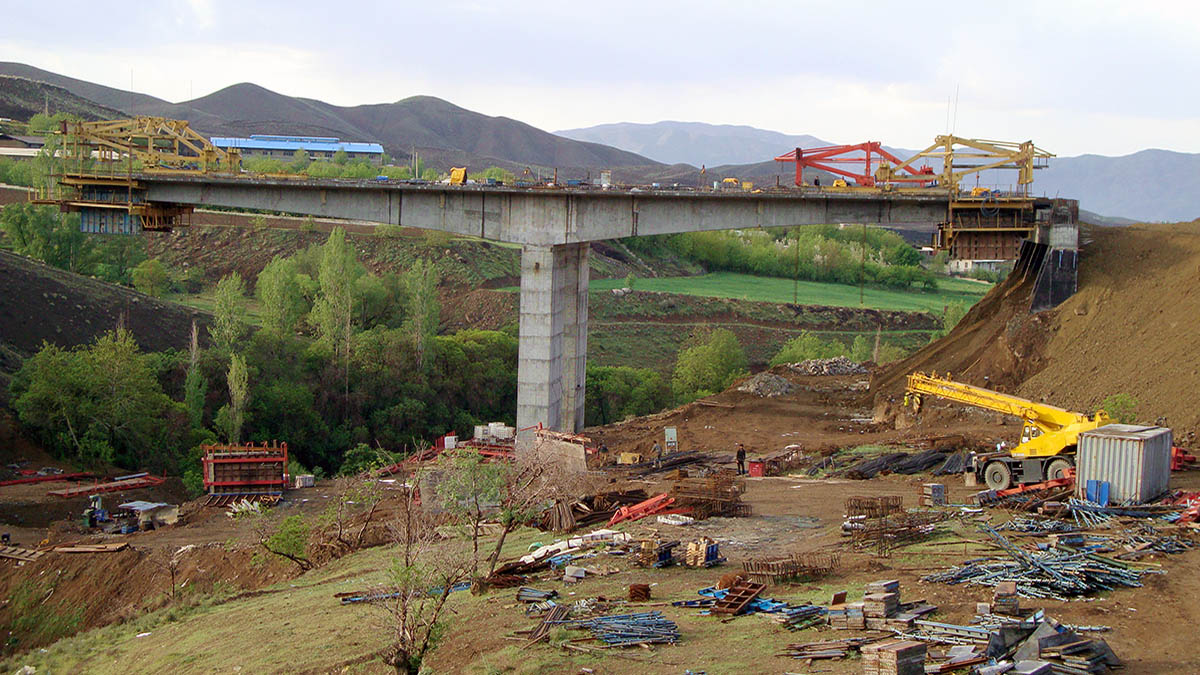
[[1131, 328], [767, 384], [998, 344]]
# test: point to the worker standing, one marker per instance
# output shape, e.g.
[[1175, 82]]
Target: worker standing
[[657, 454], [741, 459]]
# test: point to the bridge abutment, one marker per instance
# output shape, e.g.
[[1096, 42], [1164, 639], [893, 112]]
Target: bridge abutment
[[552, 360]]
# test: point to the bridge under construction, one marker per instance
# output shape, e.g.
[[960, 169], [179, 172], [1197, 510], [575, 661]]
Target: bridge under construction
[[126, 176]]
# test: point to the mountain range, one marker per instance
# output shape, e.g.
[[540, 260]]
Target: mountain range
[[1155, 185]]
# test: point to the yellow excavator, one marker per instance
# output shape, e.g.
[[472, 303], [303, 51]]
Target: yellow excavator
[[1048, 438]]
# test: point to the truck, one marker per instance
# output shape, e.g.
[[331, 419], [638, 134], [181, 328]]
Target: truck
[[1049, 435]]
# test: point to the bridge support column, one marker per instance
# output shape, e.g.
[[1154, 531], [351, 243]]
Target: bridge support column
[[552, 358]]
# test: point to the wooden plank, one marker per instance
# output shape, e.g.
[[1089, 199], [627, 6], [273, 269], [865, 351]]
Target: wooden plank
[[93, 548]]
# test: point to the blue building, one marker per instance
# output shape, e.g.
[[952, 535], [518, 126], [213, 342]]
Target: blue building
[[285, 147]]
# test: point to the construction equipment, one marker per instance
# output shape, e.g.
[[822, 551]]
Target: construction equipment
[[974, 156], [95, 165], [1048, 437], [960, 157], [458, 175], [158, 143], [831, 157]]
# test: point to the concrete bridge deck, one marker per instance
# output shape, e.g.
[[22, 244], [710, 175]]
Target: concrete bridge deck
[[554, 227], [550, 216]]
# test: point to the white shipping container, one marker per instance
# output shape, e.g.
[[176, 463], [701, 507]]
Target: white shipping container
[[1134, 460]]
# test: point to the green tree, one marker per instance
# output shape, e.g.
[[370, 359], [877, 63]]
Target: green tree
[[468, 488], [43, 233], [615, 393], [289, 540], [229, 312], [497, 174], [1122, 408], [860, 349], [100, 404], [340, 157], [299, 161], [709, 365], [281, 300], [324, 169], [424, 310], [807, 346], [903, 255], [195, 385], [151, 277], [359, 169], [951, 315], [333, 311], [239, 384], [117, 255], [937, 264]]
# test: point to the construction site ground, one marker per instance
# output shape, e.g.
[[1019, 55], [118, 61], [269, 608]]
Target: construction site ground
[[1126, 331], [295, 624], [298, 614]]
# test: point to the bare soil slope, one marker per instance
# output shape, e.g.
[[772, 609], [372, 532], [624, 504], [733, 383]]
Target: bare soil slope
[[1129, 329], [39, 303]]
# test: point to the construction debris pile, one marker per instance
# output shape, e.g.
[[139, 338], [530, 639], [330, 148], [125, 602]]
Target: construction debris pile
[[589, 510], [767, 385], [1059, 572], [625, 630], [838, 365]]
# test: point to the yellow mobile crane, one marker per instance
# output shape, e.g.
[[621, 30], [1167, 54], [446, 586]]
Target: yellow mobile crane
[[1048, 438]]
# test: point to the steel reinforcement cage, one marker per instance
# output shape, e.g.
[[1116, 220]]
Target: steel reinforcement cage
[[245, 470]]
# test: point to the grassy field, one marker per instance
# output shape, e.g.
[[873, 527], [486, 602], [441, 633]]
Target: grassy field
[[771, 289]]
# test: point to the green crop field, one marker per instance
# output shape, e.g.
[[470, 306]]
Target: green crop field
[[772, 289]]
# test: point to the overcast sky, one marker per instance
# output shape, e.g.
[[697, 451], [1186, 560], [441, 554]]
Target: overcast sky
[[1102, 77]]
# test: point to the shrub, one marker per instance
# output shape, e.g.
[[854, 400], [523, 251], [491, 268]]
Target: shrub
[[1120, 407]]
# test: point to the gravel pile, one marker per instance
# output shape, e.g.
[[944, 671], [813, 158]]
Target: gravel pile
[[767, 384], [838, 365]]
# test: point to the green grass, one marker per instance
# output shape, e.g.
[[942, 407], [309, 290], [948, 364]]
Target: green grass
[[772, 289]]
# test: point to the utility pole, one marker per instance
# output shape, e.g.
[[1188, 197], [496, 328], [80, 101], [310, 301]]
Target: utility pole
[[862, 266], [796, 265]]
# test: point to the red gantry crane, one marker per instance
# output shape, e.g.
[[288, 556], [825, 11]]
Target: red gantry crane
[[829, 158]]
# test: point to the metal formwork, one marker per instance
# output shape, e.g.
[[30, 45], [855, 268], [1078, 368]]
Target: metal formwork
[[245, 469]]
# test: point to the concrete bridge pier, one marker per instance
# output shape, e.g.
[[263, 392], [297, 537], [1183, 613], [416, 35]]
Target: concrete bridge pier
[[552, 361]]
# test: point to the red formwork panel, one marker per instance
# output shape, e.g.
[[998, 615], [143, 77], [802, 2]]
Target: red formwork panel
[[245, 469]]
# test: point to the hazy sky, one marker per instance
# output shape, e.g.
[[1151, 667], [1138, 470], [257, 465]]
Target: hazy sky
[[1102, 77]]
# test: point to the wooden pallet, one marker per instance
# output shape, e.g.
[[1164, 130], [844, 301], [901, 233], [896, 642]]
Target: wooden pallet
[[737, 598], [18, 553]]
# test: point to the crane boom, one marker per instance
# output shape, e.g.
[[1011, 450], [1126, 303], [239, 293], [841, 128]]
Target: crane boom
[[1044, 417], [1049, 430]]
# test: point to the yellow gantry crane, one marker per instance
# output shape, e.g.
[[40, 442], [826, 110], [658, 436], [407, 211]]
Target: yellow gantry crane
[[1048, 438], [96, 167], [158, 143], [962, 157]]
